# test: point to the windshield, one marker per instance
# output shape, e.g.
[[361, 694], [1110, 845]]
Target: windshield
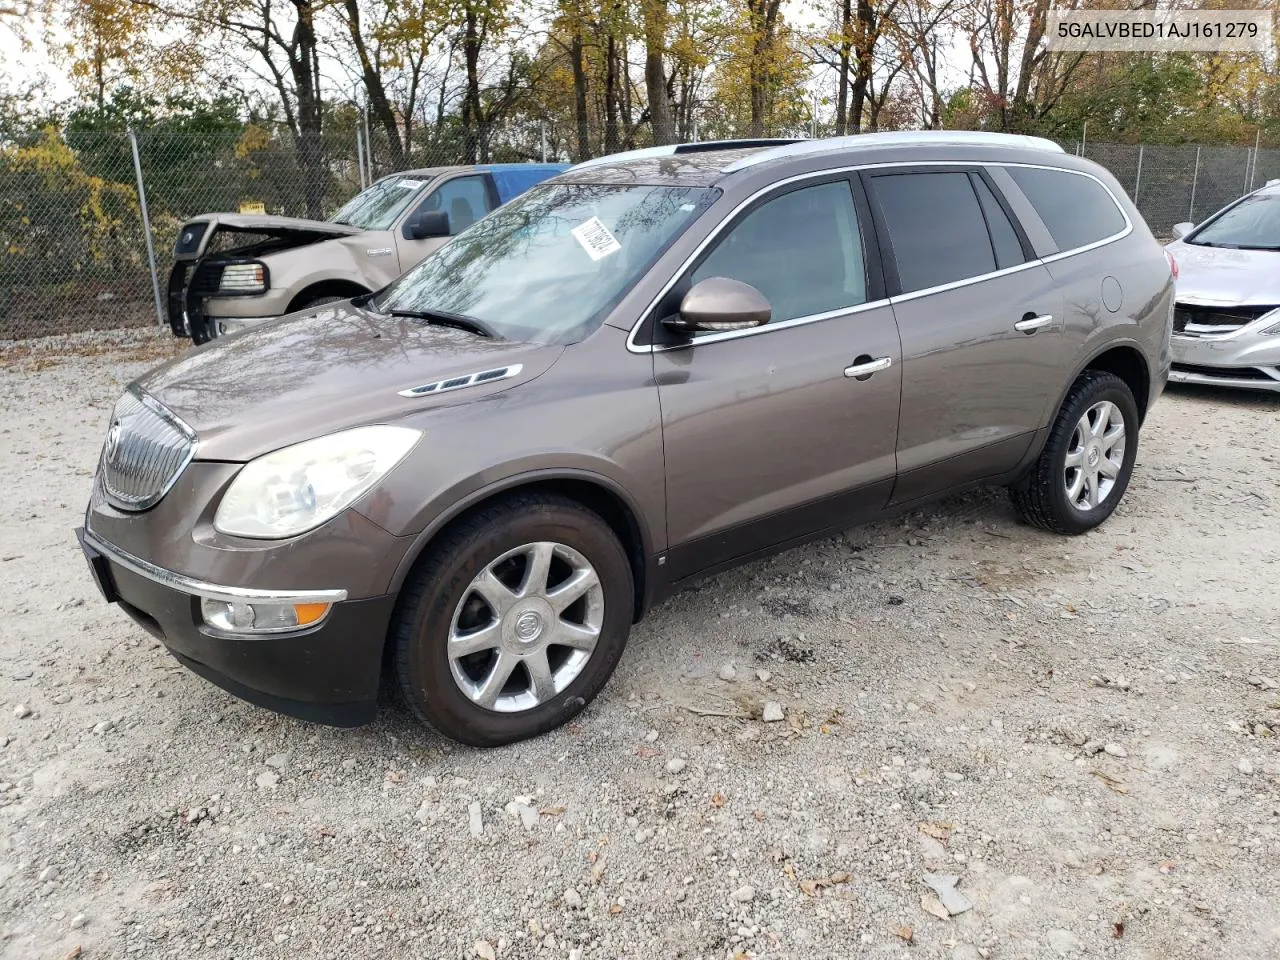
[[378, 207], [1252, 224], [545, 267]]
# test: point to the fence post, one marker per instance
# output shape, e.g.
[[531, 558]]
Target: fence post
[[146, 227], [542, 135], [1195, 180], [1137, 181], [360, 155], [1253, 172], [1084, 134]]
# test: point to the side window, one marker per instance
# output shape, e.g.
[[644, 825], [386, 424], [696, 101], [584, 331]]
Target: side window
[[464, 199], [802, 250], [1077, 209], [1004, 239], [936, 228]]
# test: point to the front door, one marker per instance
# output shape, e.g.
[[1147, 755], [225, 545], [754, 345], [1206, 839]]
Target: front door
[[781, 431], [465, 199], [981, 324]]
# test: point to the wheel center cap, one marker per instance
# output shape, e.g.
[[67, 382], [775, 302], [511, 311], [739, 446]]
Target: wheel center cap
[[528, 627], [1094, 456]]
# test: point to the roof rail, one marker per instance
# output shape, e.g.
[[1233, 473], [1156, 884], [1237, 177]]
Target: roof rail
[[702, 146], [922, 137]]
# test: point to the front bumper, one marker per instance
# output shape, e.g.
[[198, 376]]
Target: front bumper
[[327, 674], [1248, 359]]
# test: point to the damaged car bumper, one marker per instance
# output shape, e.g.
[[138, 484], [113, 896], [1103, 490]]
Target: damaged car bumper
[[1230, 347]]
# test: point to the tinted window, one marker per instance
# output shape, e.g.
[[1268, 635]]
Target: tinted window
[[464, 199], [1004, 240], [935, 227], [802, 250], [1077, 209]]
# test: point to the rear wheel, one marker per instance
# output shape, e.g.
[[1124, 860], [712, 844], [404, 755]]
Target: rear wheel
[[1085, 466], [514, 622]]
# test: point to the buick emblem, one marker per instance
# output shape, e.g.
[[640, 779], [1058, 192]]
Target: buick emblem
[[112, 446]]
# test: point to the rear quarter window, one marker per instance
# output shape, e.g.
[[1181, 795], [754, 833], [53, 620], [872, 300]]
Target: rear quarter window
[[1077, 210]]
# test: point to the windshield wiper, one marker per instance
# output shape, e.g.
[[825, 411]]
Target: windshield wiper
[[443, 318]]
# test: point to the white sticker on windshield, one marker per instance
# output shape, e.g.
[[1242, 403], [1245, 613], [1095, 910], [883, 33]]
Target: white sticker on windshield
[[404, 183], [596, 239]]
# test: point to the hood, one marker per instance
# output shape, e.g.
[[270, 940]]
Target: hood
[[1220, 276], [196, 234], [306, 375]]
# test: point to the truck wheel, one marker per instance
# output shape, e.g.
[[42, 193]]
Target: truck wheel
[[1085, 466], [514, 621], [321, 301]]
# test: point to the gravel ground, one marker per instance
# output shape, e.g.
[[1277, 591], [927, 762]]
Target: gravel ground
[[1082, 731]]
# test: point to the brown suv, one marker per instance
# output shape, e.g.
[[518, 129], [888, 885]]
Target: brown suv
[[648, 369]]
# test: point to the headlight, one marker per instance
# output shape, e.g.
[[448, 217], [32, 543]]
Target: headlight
[[243, 278], [293, 490], [1274, 329]]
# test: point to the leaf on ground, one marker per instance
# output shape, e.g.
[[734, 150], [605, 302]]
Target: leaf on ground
[[933, 906], [1117, 930], [939, 831], [644, 753], [553, 811], [615, 909], [902, 931], [1119, 786], [718, 799], [811, 888], [73, 953]]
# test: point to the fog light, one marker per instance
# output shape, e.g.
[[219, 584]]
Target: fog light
[[251, 618]]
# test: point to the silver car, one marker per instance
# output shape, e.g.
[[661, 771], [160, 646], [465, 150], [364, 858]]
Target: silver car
[[1226, 325]]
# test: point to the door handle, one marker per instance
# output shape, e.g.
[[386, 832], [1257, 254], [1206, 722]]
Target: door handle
[[1031, 323], [862, 369]]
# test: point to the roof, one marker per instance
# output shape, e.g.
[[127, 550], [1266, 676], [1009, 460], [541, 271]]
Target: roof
[[459, 168], [704, 163]]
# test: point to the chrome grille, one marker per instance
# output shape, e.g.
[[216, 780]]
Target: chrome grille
[[147, 448]]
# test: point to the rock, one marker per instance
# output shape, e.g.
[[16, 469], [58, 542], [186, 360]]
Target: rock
[[576, 953], [965, 951], [572, 899], [1264, 683], [933, 906], [22, 711], [944, 885], [1064, 942], [644, 835], [62, 698], [931, 849], [743, 894], [728, 673], [277, 761], [267, 780], [484, 950], [474, 820], [772, 712], [102, 726], [676, 765], [651, 736], [47, 874], [1115, 750], [764, 676], [423, 813], [1091, 748], [1245, 766], [78, 921]]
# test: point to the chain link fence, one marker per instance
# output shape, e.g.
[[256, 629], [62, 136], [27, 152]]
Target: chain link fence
[[75, 206]]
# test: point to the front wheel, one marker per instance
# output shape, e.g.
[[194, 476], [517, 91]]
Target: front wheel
[[1085, 466], [514, 621]]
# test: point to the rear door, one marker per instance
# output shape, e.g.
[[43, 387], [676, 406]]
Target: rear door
[[780, 431], [464, 198], [980, 320]]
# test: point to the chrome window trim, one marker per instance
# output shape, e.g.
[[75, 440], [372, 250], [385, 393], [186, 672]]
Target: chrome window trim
[[160, 410], [633, 347], [201, 588]]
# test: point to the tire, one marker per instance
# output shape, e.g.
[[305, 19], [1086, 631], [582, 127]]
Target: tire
[[440, 599], [1042, 496]]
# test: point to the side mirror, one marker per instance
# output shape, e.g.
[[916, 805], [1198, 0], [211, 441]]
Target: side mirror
[[1180, 230], [718, 304], [427, 224]]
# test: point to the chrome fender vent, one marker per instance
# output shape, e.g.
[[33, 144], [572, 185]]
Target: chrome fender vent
[[466, 380]]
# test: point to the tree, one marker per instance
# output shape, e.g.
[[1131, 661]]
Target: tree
[[655, 76]]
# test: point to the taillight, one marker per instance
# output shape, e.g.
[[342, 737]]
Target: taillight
[[1173, 264]]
